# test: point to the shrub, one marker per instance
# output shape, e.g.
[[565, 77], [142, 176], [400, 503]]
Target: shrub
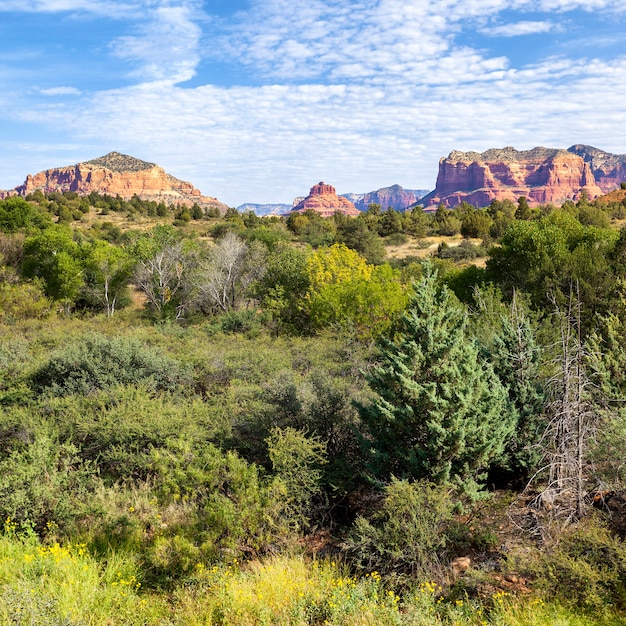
[[585, 569], [22, 301], [405, 537], [44, 483], [98, 362]]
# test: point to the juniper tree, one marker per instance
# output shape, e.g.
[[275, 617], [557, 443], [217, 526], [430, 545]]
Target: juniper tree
[[440, 413], [516, 358]]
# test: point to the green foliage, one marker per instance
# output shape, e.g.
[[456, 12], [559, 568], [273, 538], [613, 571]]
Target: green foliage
[[406, 535], [109, 270], [120, 427], [283, 286], [523, 211], [476, 223], [57, 259], [548, 255], [345, 291], [585, 569], [446, 222], [98, 362], [22, 301], [440, 413], [296, 460], [18, 215], [225, 510], [357, 235], [465, 251], [43, 481], [516, 358]]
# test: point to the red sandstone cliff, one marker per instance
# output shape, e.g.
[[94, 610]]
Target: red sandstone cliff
[[117, 174], [543, 175], [323, 199]]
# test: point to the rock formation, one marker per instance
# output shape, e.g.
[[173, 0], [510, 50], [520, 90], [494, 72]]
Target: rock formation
[[543, 175], [609, 170], [323, 199], [395, 197], [118, 175]]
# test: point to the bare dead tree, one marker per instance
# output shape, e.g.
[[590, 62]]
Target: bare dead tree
[[223, 279], [164, 279], [571, 425]]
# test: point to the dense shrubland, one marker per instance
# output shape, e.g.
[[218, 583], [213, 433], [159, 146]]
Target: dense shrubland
[[230, 420]]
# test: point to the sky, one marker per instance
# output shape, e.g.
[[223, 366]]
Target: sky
[[258, 100]]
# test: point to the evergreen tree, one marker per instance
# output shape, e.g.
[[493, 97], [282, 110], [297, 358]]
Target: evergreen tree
[[515, 356], [441, 413]]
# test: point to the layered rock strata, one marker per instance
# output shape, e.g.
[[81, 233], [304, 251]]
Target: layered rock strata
[[543, 175], [118, 175], [323, 199]]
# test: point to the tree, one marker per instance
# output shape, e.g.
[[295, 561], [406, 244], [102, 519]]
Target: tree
[[476, 223], [57, 259], [440, 413], [516, 358], [109, 270], [523, 211], [356, 234], [223, 279], [571, 424], [17, 214], [284, 285], [345, 290], [163, 272]]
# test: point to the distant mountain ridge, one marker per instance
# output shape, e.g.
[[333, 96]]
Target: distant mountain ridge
[[543, 175], [394, 196], [117, 174]]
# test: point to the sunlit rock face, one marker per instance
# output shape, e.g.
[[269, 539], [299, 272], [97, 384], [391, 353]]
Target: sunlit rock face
[[543, 175], [323, 199], [118, 175]]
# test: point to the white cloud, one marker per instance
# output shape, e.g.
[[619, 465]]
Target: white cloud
[[60, 91], [272, 143], [166, 48], [515, 29], [110, 8]]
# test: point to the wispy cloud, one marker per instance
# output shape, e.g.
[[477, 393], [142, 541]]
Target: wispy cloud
[[60, 91], [108, 8], [516, 29], [166, 46]]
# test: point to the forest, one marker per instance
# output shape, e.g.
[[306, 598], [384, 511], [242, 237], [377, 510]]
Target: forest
[[400, 418]]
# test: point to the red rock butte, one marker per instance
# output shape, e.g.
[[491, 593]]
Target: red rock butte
[[117, 174], [543, 175], [323, 199]]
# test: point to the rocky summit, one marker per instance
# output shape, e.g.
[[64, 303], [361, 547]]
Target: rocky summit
[[323, 199], [543, 175], [117, 174]]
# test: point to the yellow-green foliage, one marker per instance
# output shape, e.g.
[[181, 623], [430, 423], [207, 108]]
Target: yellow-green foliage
[[54, 583], [63, 584], [346, 291]]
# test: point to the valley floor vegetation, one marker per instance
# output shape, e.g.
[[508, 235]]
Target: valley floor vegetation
[[212, 419]]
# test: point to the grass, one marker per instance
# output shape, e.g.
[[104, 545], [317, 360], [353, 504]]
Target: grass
[[64, 585]]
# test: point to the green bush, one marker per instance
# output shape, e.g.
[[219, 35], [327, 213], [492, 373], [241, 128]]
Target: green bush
[[118, 428], [406, 535], [44, 482], [98, 362], [585, 569]]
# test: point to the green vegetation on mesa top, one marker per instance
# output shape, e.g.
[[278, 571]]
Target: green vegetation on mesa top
[[195, 409], [121, 163]]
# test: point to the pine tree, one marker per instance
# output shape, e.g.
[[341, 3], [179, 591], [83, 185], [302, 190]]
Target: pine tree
[[441, 413]]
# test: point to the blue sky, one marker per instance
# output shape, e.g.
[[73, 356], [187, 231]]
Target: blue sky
[[257, 100]]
